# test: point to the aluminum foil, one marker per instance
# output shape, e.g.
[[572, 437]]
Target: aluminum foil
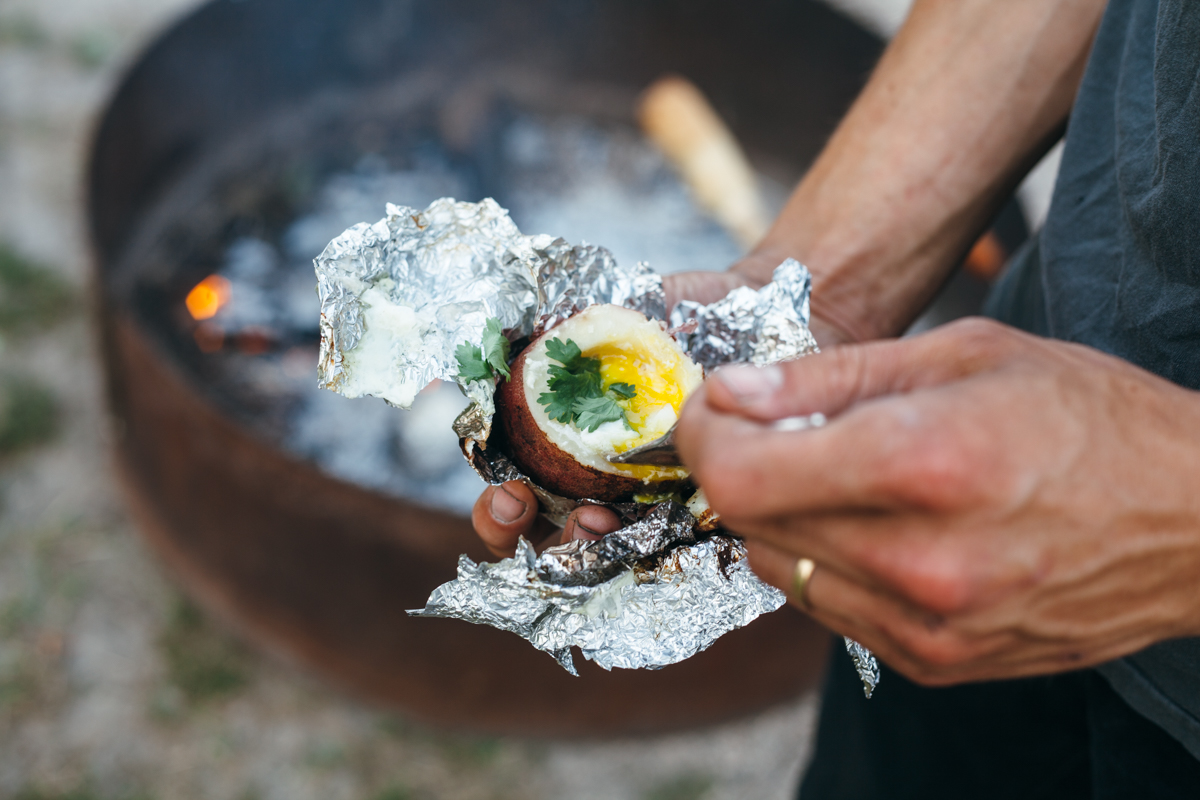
[[864, 662], [433, 278], [633, 599], [748, 326], [397, 299]]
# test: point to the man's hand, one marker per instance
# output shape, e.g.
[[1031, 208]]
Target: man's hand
[[907, 182], [984, 504], [504, 513]]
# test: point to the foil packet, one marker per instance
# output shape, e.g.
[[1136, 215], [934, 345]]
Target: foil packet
[[399, 296]]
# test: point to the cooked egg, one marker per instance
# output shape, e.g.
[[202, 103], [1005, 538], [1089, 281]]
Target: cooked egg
[[634, 350]]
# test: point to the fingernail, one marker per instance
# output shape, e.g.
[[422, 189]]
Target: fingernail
[[579, 526], [505, 507], [748, 383]]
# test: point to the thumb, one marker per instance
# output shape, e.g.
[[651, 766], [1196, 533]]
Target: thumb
[[836, 379]]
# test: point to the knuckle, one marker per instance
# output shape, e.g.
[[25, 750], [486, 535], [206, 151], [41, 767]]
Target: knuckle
[[931, 467], [982, 338], [939, 592], [979, 329], [939, 473], [850, 372], [936, 581]]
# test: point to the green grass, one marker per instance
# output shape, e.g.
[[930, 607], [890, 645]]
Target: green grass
[[31, 296], [203, 663], [29, 415], [684, 787]]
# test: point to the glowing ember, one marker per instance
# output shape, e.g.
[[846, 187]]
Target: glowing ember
[[206, 297]]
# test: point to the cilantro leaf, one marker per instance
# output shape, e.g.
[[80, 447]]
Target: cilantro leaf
[[495, 348], [572, 379], [576, 389], [559, 406], [564, 353], [595, 411], [625, 390], [585, 383], [471, 365], [480, 363]]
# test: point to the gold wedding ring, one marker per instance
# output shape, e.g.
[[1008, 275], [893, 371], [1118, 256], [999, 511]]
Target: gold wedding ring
[[800, 578]]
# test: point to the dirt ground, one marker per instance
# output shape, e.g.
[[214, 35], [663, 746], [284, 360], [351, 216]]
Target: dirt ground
[[111, 684]]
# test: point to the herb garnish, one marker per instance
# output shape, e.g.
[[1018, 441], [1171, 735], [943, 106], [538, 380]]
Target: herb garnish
[[576, 393], [477, 364]]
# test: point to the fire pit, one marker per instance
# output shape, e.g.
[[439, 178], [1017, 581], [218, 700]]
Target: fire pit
[[250, 134]]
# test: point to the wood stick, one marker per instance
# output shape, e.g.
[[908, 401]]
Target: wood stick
[[676, 116]]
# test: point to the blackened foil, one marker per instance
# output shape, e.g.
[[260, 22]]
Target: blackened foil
[[397, 299], [588, 563]]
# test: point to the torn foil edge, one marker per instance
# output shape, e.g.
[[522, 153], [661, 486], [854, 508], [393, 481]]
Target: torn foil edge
[[444, 271], [865, 664]]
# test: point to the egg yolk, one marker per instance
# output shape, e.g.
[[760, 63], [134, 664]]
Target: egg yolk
[[653, 375]]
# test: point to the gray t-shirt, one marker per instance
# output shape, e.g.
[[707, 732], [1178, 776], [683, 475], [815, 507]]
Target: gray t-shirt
[[1117, 265]]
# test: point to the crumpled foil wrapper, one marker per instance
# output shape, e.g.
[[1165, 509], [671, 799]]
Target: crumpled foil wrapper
[[435, 277], [759, 327], [397, 299], [633, 599]]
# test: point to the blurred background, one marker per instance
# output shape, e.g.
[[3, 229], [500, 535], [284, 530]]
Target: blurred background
[[204, 561]]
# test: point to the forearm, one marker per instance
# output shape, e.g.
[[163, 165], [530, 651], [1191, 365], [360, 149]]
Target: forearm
[[964, 101]]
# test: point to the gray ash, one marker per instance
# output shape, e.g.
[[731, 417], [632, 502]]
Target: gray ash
[[567, 175]]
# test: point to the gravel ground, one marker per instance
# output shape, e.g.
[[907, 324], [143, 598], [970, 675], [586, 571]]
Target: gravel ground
[[111, 684]]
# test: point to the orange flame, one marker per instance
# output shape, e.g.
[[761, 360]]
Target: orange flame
[[206, 297]]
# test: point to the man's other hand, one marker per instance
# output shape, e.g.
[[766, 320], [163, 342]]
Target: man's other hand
[[984, 504]]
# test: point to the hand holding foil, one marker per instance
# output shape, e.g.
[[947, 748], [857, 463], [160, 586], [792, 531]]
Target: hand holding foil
[[398, 297]]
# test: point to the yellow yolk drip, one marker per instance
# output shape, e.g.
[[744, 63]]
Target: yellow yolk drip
[[653, 375]]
